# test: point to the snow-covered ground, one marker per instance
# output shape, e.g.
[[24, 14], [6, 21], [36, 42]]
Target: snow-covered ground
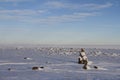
[[58, 63]]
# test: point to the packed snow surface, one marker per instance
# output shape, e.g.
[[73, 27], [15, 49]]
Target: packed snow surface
[[57, 63]]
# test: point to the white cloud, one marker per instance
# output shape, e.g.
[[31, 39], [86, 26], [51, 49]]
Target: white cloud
[[13, 0], [26, 12], [96, 6], [55, 4], [61, 19], [19, 15], [29, 16], [86, 6]]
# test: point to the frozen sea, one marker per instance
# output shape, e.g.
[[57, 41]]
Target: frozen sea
[[59, 63]]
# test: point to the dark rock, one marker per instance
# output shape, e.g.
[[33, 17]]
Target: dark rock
[[35, 68], [42, 67], [95, 67], [9, 69]]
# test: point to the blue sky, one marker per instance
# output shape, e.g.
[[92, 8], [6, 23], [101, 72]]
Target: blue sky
[[60, 22]]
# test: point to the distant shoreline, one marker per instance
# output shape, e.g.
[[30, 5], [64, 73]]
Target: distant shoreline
[[60, 45]]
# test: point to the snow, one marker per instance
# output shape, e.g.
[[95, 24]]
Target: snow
[[59, 63]]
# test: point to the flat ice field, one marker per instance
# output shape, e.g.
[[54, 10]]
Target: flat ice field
[[57, 63]]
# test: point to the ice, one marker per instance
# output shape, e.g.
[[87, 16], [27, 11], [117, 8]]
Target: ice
[[60, 63]]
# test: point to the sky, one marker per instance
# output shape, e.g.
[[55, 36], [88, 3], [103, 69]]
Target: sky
[[89, 22]]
